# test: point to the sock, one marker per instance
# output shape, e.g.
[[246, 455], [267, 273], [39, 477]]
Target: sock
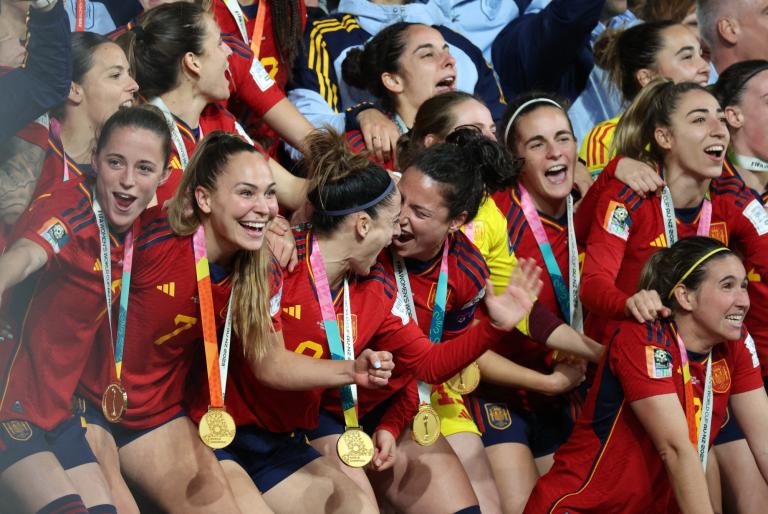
[[69, 504]]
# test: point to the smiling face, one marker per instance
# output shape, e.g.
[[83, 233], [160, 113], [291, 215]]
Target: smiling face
[[426, 68], [697, 136], [213, 63], [128, 168], [680, 57], [106, 86], [719, 304], [237, 211], [544, 139], [424, 221]]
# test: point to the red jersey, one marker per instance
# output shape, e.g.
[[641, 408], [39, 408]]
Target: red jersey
[[213, 117], [163, 330], [380, 321], [757, 316], [357, 144], [610, 447], [467, 274], [525, 350], [58, 310], [54, 171], [627, 229]]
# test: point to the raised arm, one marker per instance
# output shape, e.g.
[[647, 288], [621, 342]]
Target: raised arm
[[19, 262]]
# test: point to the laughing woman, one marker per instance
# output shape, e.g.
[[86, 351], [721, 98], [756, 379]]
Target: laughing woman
[[640, 445]]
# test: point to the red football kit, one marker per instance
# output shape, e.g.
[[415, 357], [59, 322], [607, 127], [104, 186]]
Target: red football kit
[[627, 229], [58, 310], [380, 321], [610, 463], [757, 316], [163, 330], [54, 171]]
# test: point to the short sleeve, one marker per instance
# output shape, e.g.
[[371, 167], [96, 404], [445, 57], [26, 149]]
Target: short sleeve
[[642, 368]]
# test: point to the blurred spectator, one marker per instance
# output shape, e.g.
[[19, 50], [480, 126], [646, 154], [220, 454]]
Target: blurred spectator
[[102, 16], [734, 30]]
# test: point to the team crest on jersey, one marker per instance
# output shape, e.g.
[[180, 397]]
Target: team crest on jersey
[[340, 320], [498, 415], [658, 362], [55, 233], [433, 294], [617, 221], [721, 377], [719, 231], [18, 430]]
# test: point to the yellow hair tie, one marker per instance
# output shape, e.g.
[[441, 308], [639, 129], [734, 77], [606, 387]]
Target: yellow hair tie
[[696, 265]]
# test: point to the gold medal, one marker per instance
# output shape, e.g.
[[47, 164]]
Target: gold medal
[[426, 426], [355, 447], [114, 402], [217, 428], [466, 380]]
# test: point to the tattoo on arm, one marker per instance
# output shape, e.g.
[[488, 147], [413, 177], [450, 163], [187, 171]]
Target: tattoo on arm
[[20, 166]]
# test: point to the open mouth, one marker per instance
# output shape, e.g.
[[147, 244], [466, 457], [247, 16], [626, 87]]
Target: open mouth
[[127, 103], [123, 201], [557, 174], [715, 152], [735, 319], [446, 84], [254, 228]]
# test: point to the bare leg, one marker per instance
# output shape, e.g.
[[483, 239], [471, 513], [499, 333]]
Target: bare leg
[[516, 474], [175, 470], [33, 482], [103, 446], [425, 479], [471, 452], [544, 463], [327, 446], [714, 485], [744, 489]]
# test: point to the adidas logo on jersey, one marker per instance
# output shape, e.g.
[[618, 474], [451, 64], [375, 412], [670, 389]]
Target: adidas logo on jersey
[[169, 288], [97, 265], [293, 311], [660, 241]]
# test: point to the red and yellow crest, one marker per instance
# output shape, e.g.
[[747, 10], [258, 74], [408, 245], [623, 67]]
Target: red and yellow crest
[[721, 377], [340, 320], [433, 293], [719, 231]]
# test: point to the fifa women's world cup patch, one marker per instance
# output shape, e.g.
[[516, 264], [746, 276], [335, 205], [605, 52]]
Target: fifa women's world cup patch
[[617, 220], [55, 233], [658, 362]]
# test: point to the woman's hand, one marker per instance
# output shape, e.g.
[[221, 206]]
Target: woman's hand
[[639, 176], [645, 305], [380, 134], [566, 375], [373, 369], [384, 452], [282, 244], [507, 309]]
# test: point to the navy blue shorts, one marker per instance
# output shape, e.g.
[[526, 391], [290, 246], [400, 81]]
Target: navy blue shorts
[[20, 439], [268, 458], [543, 432], [730, 430], [92, 415]]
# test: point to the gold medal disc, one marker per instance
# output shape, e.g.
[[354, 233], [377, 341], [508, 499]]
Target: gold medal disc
[[217, 428], [426, 426], [355, 447], [465, 381], [114, 402]]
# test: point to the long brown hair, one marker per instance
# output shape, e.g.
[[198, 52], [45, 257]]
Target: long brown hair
[[250, 281]]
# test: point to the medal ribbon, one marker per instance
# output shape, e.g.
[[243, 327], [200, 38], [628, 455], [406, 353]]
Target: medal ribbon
[[438, 312], [332, 334], [178, 142], [258, 29], [213, 363], [670, 223], [699, 436], [750, 163], [568, 301], [125, 283]]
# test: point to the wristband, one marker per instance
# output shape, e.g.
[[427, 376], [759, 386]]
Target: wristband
[[350, 115]]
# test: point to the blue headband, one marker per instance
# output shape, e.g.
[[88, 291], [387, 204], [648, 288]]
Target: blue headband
[[358, 208]]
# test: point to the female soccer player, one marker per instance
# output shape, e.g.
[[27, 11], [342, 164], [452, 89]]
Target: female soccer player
[[101, 84], [633, 57], [180, 62], [75, 235], [661, 393], [403, 65], [219, 216], [681, 129]]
